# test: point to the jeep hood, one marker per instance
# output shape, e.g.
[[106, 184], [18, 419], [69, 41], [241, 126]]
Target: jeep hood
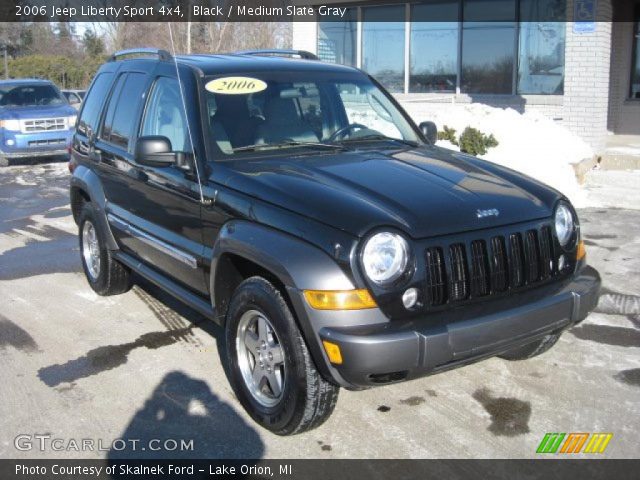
[[425, 192]]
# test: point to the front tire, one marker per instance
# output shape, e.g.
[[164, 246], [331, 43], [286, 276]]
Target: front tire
[[105, 275], [532, 349], [270, 367]]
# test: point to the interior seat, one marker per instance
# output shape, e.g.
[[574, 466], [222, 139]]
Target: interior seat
[[283, 123]]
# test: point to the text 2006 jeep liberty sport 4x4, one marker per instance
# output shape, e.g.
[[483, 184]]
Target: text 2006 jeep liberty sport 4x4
[[296, 204]]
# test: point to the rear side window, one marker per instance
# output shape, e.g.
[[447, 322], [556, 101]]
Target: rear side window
[[123, 105], [93, 104]]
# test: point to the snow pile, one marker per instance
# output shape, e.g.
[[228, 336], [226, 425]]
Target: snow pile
[[530, 142]]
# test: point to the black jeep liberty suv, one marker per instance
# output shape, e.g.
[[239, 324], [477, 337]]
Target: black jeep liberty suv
[[296, 204]]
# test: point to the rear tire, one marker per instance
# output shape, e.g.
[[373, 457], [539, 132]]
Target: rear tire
[[303, 400], [532, 349], [105, 275]]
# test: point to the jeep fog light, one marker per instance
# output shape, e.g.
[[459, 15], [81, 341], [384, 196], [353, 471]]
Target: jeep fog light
[[410, 298], [10, 142]]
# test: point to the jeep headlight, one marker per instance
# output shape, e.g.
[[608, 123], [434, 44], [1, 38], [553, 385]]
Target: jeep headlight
[[71, 121], [385, 257], [564, 224]]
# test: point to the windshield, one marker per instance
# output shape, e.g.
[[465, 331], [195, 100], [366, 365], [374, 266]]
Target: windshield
[[266, 111], [29, 96]]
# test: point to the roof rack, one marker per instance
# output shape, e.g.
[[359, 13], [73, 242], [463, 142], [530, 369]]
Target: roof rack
[[280, 52], [162, 54]]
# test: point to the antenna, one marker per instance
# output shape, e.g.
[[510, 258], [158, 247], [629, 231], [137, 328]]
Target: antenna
[[184, 107]]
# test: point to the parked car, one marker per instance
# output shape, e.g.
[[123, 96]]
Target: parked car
[[297, 205], [74, 97], [35, 120]]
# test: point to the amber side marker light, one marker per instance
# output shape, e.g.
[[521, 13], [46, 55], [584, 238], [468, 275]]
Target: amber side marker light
[[333, 352], [581, 252], [339, 299]]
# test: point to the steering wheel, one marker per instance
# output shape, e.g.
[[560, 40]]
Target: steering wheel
[[341, 132]]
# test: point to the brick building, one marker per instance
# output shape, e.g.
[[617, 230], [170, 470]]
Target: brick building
[[530, 55]]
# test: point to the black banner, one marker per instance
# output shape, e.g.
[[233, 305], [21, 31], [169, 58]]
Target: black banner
[[552, 469], [299, 11]]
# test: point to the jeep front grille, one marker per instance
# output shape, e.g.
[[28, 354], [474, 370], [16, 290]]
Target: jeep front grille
[[459, 278], [436, 276], [493, 265], [43, 125]]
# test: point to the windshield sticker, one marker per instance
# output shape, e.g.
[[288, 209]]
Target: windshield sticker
[[235, 85]]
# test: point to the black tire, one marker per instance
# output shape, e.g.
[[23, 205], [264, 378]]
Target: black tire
[[113, 277], [307, 399], [532, 349]]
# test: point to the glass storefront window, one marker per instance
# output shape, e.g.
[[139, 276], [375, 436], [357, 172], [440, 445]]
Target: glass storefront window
[[541, 47], [434, 47], [383, 45], [337, 40], [635, 66], [481, 46], [488, 46]]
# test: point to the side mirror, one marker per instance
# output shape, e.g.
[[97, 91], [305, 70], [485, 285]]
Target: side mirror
[[154, 151], [430, 131]]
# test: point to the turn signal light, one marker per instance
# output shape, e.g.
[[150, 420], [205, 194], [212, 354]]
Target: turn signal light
[[581, 252], [333, 352], [339, 299]]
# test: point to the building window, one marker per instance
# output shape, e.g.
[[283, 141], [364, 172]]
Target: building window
[[541, 48], [488, 47], [635, 66], [434, 47], [467, 46], [383, 45], [337, 40]]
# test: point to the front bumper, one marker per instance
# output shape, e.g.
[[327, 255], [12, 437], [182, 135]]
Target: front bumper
[[36, 144], [401, 350]]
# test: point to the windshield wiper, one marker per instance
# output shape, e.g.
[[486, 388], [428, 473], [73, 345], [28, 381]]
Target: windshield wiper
[[293, 143], [377, 136]]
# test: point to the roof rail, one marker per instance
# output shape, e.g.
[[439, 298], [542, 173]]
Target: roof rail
[[280, 52], [162, 54]]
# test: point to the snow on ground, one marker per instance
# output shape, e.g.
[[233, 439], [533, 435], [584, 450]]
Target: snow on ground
[[614, 188], [530, 142]]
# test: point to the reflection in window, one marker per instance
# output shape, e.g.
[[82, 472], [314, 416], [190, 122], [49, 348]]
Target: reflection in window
[[541, 54], [434, 47], [383, 45], [488, 47], [337, 40], [363, 107], [635, 67], [541, 61]]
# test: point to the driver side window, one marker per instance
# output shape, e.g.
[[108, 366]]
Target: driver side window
[[165, 116]]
